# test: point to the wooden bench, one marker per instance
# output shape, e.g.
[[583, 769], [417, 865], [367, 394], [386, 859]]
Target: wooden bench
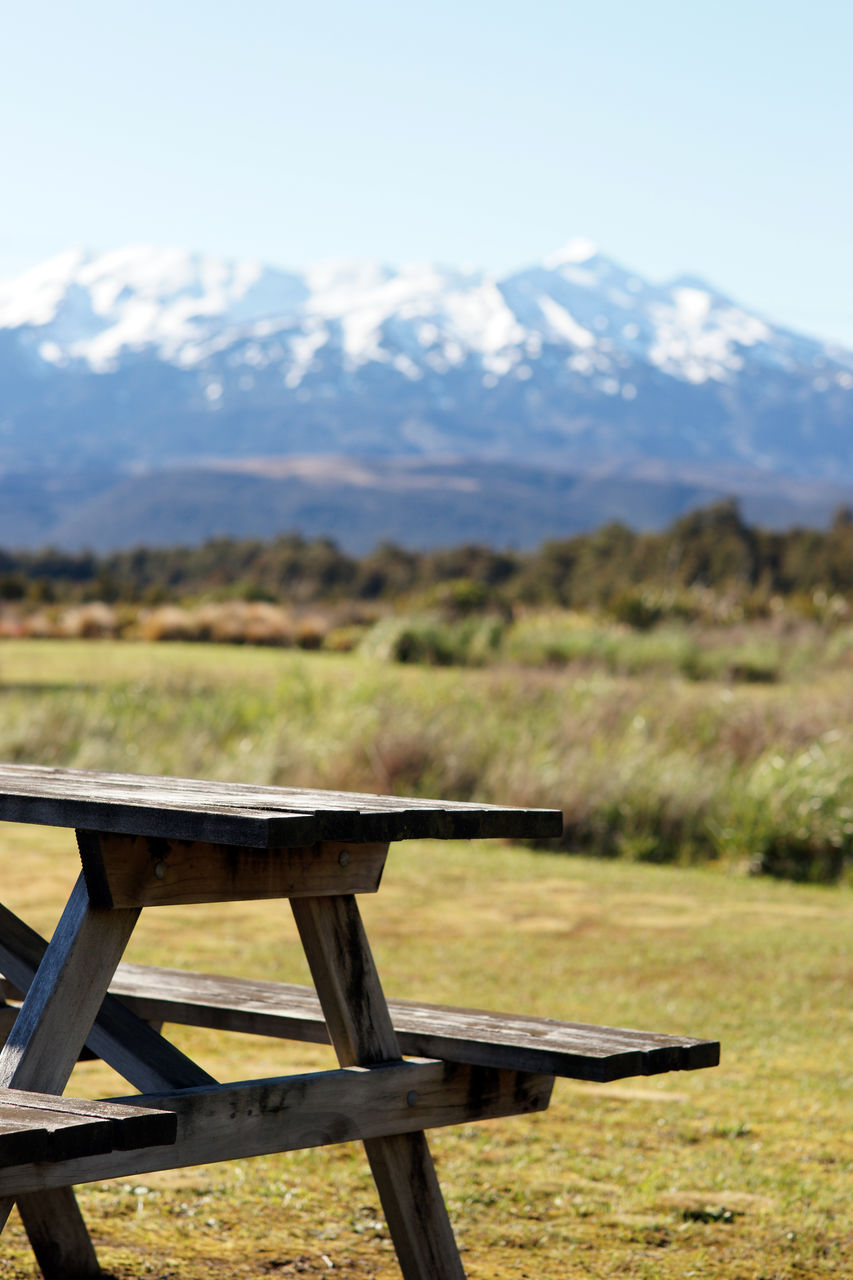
[[40, 1128], [501, 1040]]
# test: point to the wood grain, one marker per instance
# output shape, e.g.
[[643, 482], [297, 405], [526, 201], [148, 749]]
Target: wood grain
[[576, 1050], [65, 995], [129, 1125], [235, 1121], [147, 871], [137, 1052], [45, 1042], [254, 817], [361, 1031], [58, 1235]]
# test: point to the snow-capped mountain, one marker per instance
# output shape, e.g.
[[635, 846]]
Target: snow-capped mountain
[[147, 356]]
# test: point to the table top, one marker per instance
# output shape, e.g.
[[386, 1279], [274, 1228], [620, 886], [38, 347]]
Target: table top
[[251, 816]]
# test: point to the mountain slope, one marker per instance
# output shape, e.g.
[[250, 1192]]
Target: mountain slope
[[150, 356]]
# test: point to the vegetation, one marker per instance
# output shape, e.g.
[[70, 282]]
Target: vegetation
[[708, 562], [645, 762], [701, 720], [740, 1173]]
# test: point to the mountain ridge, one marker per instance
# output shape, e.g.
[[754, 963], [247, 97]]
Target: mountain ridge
[[140, 387], [152, 356]]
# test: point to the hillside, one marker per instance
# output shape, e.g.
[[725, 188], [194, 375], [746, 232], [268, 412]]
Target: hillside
[[418, 503]]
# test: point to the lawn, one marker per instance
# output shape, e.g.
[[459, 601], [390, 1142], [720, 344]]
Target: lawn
[[738, 1173]]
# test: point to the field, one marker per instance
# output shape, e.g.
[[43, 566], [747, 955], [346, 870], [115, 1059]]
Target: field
[[646, 761], [740, 1173]]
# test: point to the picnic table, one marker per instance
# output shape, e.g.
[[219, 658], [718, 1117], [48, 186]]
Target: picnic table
[[404, 1067]]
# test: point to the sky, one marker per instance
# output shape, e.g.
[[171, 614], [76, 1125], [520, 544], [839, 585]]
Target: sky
[[713, 140]]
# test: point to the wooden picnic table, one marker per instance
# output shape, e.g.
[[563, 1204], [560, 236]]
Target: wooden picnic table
[[404, 1067]]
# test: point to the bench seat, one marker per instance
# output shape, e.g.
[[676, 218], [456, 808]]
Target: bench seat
[[508, 1041], [44, 1128]]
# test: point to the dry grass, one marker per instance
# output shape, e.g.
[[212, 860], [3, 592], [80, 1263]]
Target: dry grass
[[656, 768]]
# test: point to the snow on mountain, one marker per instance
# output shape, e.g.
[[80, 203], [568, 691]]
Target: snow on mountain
[[184, 305], [422, 357]]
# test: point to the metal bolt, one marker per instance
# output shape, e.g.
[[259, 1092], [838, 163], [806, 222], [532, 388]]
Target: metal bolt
[[160, 870], [343, 857], [412, 1097]]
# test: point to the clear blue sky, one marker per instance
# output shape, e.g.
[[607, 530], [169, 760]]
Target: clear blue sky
[[709, 138]]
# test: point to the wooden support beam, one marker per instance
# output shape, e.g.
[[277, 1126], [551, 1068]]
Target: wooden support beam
[[59, 1237], [124, 1040], [361, 1031], [149, 871], [234, 1121], [43, 1047], [65, 995]]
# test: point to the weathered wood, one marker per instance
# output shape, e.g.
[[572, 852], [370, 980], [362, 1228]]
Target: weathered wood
[[510, 1041], [126, 1126], [346, 980], [254, 817], [361, 1031], [128, 1043], [37, 1128], [28, 1135], [65, 995], [147, 871], [290, 1113], [53, 1221], [50, 1031], [58, 1235]]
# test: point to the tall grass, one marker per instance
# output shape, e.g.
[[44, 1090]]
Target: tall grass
[[659, 768]]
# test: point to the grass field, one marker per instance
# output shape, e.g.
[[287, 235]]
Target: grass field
[[739, 1173], [650, 766]]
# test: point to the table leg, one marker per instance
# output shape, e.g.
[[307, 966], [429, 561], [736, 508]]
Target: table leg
[[58, 1235], [41, 1051], [362, 1033], [130, 1046]]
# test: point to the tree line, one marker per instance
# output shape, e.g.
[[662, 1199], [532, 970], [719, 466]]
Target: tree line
[[613, 568]]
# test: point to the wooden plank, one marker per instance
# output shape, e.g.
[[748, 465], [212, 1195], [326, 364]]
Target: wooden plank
[[145, 871], [127, 1125], [360, 1027], [512, 1041], [137, 1052], [238, 827], [228, 813], [131, 786], [235, 1121], [31, 1134]]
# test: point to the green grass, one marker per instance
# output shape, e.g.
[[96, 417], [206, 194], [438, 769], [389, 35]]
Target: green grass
[[653, 767], [737, 1173]]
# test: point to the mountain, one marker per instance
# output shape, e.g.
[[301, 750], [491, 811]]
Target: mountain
[[155, 395], [415, 502], [150, 357]]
